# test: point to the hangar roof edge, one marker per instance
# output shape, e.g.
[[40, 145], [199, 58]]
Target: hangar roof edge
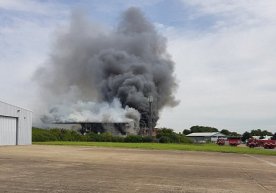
[[15, 106]]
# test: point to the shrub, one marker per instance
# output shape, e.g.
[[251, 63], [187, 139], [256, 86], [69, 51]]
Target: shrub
[[164, 139], [107, 137], [184, 139], [42, 135], [66, 135], [117, 139], [93, 137], [169, 136], [134, 139], [103, 137], [148, 139], [165, 132], [71, 135]]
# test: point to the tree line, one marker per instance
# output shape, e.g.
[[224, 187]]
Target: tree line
[[246, 135], [200, 129], [257, 132], [164, 135]]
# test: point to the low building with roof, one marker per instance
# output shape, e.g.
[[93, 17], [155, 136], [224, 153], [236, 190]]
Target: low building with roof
[[205, 137], [266, 137]]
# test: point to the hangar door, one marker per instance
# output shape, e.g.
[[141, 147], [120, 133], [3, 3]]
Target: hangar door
[[8, 130]]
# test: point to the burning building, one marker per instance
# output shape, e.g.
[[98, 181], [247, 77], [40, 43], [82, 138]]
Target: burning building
[[98, 75], [115, 128]]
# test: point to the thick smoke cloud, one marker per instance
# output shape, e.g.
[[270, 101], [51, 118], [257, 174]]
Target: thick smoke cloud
[[97, 66]]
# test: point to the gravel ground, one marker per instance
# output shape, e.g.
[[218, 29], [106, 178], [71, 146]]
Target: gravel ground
[[41, 168]]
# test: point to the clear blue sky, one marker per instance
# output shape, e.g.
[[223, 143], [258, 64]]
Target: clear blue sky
[[224, 53]]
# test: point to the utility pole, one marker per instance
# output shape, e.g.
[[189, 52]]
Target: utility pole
[[150, 99]]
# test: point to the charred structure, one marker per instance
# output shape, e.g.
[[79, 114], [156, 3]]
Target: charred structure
[[122, 128], [115, 128]]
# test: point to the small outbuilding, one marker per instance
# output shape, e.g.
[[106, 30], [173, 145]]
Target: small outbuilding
[[205, 137], [15, 125]]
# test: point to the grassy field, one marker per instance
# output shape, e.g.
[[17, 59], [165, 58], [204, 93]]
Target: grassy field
[[158, 146]]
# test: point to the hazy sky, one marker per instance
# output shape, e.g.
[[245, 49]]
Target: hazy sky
[[224, 53]]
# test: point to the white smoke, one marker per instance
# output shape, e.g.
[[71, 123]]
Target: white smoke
[[91, 112]]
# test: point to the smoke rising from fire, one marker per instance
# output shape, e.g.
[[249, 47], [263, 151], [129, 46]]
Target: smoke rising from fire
[[91, 67]]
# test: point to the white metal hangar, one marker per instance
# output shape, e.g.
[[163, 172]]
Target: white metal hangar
[[15, 125]]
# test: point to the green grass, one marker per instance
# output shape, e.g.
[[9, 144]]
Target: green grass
[[158, 146]]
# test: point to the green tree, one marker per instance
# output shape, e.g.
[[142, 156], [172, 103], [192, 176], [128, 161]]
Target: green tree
[[246, 135], [256, 132], [274, 136], [186, 131], [166, 135], [196, 129], [225, 132], [164, 132], [259, 132], [234, 134], [265, 132]]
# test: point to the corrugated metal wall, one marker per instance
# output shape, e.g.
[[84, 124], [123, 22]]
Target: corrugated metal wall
[[8, 130], [24, 122]]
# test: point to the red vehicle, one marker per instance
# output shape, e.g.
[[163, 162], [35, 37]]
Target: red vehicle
[[266, 143], [233, 141]]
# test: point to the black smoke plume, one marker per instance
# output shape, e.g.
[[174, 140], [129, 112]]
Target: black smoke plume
[[91, 64]]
